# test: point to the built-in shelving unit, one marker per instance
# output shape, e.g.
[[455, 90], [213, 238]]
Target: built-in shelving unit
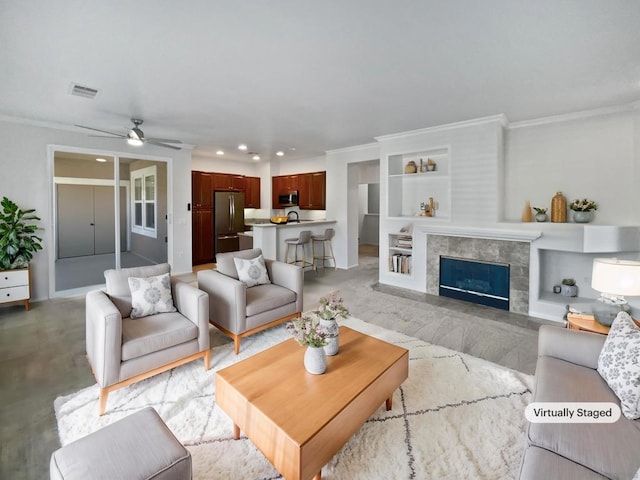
[[401, 253], [407, 191]]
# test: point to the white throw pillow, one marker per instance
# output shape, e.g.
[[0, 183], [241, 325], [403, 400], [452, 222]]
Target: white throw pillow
[[252, 271], [150, 295], [619, 364]]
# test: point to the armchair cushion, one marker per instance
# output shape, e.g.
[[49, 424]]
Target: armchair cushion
[[227, 266], [118, 285], [150, 295], [252, 271], [154, 333], [263, 298]]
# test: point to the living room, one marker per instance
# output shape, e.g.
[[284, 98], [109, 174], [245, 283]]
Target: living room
[[514, 102]]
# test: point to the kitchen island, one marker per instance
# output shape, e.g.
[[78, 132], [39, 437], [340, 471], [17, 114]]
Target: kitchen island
[[270, 237]]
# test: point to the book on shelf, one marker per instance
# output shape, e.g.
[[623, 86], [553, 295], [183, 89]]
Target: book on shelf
[[400, 263], [404, 241]]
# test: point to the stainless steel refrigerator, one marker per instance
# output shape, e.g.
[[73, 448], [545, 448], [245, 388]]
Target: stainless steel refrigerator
[[228, 221]]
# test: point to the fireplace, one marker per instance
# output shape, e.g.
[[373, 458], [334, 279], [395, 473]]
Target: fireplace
[[481, 282]]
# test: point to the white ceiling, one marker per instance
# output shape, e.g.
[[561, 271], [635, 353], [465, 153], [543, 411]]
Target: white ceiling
[[312, 75]]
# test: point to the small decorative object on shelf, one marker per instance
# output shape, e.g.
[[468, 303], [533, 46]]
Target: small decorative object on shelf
[[541, 214], [308, 332], [559, 208], [428, 209], [332, 308], [583, 210], [431, 165], [569, 288], [411, 167], [557, 289], [423, 166], [527, 216]]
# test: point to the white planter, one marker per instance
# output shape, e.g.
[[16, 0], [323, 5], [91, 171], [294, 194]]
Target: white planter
[[315, 360], [331, 348]]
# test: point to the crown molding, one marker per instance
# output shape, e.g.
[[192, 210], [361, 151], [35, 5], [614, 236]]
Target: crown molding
[[500, 119], [354, 148], [566, 117]]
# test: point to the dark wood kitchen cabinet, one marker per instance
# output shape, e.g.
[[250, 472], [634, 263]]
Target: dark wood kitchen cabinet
[[283, 184], [252, 192], [201, 189], [228, 181], [312, 191], [202, 236]]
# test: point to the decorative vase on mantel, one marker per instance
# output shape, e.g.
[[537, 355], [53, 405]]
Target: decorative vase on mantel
[[582, 217], [315, 360], [331, 326]]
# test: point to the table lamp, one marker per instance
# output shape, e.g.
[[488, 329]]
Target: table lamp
[[614, 279]]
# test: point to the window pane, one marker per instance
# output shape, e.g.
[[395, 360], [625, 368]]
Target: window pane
[[150, 218], [150, 188], [137, 188], [138, 215]]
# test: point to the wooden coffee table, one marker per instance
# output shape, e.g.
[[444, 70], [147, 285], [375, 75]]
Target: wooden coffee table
[[299, 420]]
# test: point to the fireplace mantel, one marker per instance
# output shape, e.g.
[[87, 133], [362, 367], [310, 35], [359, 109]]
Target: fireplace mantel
[[488, 233]]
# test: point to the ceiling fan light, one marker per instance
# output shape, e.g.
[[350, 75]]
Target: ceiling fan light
[[136, 142]]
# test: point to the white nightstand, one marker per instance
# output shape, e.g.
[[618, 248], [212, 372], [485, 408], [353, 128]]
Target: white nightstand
[[14, 286]]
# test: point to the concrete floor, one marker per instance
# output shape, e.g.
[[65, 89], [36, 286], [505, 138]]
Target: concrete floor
[[42, 352]]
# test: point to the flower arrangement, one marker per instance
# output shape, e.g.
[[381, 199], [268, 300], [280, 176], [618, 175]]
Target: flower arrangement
[[307, 331], [583, 205], [332, 307]]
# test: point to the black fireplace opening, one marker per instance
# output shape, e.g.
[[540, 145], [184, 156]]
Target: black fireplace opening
[[475, 281]]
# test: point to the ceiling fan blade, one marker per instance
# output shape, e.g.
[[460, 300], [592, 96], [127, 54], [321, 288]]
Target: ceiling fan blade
[[161, 144], [164, 140], [103, 131]]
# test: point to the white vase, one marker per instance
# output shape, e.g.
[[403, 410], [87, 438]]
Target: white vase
[[315, 360], [331, 348]]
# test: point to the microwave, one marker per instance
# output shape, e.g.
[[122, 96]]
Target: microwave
[[289, 199]]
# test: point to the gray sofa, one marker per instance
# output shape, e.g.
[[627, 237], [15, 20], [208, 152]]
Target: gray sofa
[[566, 372]]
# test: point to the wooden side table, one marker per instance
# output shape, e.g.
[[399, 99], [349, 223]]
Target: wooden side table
[[584, 321]]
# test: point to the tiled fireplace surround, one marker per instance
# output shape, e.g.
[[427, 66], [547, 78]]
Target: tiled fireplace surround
[[514, 253]]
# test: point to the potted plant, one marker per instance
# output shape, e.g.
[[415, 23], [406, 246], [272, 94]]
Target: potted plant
[[18, 243], [331, 308], [308, 332], [583, 210], [569, 288], [541, 214]]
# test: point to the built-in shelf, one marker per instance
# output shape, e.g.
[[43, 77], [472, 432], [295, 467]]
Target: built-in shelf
[[401, 253], [407, 191]]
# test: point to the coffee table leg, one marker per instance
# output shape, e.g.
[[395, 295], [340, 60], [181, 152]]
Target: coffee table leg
[[236, 432], [318, 476], [389, 403]]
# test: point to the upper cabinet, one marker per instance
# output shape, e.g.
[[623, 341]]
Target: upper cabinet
[[252, 192], [201, 190], [228, 181], [311, 188]]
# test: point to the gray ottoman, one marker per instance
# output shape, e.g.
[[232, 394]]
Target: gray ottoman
[[137, 447]]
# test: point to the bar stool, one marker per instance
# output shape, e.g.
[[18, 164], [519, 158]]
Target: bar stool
[[328, 235], [301, 241]]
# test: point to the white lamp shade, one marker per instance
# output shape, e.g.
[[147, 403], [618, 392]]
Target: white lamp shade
[[616, 277]]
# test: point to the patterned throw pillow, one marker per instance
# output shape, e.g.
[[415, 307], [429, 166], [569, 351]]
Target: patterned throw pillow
[[619, 364], [151, 295], [252, 272]]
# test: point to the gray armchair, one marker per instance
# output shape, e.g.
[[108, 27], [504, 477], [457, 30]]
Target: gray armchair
[[239, 311], [122, 350]]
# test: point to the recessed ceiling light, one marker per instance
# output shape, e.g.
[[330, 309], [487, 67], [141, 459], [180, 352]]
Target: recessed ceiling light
[[219, 152], [256, 157], [101, 160], [242, 146], [280, 153]]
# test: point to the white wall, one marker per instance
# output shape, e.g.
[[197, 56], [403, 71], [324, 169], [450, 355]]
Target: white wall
[[26, 178], [593, 157], [305, 165]]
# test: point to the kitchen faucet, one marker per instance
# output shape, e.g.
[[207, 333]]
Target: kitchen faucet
[[297, 216]]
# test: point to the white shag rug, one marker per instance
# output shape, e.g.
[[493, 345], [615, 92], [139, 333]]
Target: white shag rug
[[455, 417]]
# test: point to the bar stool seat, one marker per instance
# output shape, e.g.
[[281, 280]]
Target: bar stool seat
[[326, 238], [301, 241]]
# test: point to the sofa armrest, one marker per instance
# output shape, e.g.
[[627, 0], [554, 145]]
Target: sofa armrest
[[103, 337], [575, 346], [227, 300], [288, 276], [194, 305]]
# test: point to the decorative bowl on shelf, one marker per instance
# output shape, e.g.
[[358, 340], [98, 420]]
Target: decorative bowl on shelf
[[279, 220]]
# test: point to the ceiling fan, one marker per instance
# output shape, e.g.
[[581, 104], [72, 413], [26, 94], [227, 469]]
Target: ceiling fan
[[136, 137]]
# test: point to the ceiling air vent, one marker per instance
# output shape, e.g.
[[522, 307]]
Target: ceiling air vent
[[82, 91]]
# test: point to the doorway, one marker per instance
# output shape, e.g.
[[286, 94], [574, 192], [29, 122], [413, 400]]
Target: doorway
[[89, 237]]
